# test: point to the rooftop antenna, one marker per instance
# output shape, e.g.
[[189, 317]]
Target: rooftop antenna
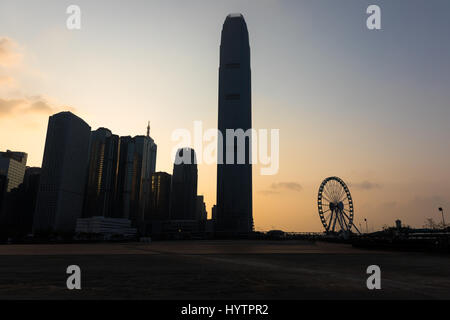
[[148, 129]]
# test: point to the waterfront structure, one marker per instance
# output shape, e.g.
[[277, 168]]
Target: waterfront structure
[[106, 228]]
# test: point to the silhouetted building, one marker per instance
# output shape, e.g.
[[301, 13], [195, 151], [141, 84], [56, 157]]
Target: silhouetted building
[[201, 213], [145, 164], [3, 188], [64, 167], [124, 177], [137, 163], [161, 182], [105, 228], [16, 219], [183, 194], [13, 164], [102, 173], [209, 226], [30, 188], [234, 181], [214, 213]]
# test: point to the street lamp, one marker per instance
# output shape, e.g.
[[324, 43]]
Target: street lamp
[[442, 212], [367, 228]]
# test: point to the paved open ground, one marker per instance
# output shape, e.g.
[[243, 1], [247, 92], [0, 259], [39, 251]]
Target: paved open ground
[[219, 270]]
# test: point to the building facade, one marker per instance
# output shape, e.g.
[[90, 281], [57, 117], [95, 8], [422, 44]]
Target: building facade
[[160, 200], [13, 165], [101, 180], [183, 193], [62, 182], [137, 163], [234, 180], [16, 218]]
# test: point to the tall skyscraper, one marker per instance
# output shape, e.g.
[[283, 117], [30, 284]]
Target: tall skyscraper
[[124, 177], [12, 165], [234, 181], [145, 165], [183, 194], [137, 163], [62, 182], [160, 202], [102, 173]]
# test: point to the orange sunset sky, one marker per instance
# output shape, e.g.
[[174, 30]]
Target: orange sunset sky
[[371, 107]]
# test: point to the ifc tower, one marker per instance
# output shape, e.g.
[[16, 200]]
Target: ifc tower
[[234, 180]]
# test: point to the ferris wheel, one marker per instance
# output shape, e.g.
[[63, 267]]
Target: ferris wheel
[[335, 206]]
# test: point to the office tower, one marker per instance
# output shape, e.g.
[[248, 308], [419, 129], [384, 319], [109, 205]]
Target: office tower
[[64, 167], [13, 164], [160, 202], [183, 193], [102, 173], [124, 177], [137, 163], [3, 187], [27, 205], [16, 219], [201, 214], [145, 164], [234, 180]]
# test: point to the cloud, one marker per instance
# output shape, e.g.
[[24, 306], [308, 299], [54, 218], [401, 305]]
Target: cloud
[[12, 104], [277, 187], [31, 105], [9, 53], [8, 106], [268, 192], [366, 185], [294, 186], [41, 106]]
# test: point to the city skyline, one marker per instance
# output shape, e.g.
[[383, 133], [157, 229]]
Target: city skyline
[[392, 150]]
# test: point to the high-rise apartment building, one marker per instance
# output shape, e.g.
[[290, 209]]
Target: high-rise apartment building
[[12, 165]]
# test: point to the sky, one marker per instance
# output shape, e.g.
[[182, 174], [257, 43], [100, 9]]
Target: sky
[[369, 106]]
